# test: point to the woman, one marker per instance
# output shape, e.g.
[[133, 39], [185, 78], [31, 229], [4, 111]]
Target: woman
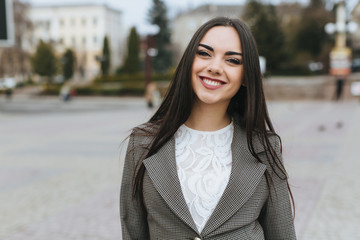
[[208, 164]]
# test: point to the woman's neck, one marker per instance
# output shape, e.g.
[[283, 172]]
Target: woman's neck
[[208, 117]]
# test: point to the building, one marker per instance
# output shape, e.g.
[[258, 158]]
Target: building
[[185, 24], [82, 28], [355, 37], [14, 60]]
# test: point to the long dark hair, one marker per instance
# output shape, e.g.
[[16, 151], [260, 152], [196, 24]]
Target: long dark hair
[[247, 107]]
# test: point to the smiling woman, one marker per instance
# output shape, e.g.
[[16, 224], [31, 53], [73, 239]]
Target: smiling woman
[[208, 163], [216, 74]]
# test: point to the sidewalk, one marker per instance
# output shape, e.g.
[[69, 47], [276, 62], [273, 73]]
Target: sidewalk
[[321, 151], [60, 166]]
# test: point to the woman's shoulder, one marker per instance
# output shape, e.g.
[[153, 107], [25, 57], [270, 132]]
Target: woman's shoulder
[[275, 141], [140, 140], [273, 159], [268, 142], [143, 134], [267, 147], [259, 139]]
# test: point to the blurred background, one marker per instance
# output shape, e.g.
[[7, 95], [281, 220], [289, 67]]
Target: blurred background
[[76, 76]]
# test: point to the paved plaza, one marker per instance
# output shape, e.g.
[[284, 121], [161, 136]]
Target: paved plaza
[[60, 166]]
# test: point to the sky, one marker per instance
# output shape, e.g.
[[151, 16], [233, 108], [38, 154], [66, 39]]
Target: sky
[[135, 11]]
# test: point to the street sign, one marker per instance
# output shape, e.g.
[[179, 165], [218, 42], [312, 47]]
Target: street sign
[[340, 61], [6, 23]]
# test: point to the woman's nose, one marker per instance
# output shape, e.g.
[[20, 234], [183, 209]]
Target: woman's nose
[[215, 67]]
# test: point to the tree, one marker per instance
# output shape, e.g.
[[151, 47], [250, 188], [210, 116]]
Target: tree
[[105, 59], [44, 61], [132, 61], [311, 36], [158, 17], [68, 60], [266, 28], [14, 59]]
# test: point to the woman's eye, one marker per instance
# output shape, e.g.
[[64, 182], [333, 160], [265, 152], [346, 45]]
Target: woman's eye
[[235, 61], [203, 53]]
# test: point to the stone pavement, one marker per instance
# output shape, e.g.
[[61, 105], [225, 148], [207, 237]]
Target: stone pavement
[[321, 142], [60, 166]]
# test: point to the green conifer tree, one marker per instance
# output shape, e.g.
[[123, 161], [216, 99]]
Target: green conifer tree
[[44, 61], [132, 61], [158, 16], [266, 28], [106, 57], [68, 60], [311, 36]]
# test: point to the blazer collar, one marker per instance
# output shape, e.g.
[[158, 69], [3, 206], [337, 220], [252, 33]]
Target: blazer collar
[[161, 168], [246, 173]]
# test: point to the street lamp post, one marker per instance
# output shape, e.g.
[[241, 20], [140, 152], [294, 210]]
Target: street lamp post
[[340, 55], [150, 52]]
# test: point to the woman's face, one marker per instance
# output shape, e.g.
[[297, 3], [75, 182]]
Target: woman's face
[[217, 71]]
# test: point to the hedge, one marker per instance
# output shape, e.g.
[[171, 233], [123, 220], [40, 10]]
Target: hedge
[[137, 77], [114, 85], [103, 90]]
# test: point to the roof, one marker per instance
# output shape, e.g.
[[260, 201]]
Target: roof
[[73, 5], [356, 9], [219, 10]]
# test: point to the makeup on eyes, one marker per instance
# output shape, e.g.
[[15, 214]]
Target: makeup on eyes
[[212, 50], [228, 53]]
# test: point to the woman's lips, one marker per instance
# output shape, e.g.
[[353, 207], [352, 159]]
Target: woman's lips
[[211, 83]]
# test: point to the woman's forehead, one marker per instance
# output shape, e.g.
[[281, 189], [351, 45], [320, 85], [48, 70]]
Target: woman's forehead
[[222, 37]]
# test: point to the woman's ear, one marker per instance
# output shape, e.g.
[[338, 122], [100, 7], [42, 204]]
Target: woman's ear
[[243, 84]]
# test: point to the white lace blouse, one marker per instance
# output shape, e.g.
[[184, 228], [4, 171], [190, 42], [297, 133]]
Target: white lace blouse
[[203, 160]]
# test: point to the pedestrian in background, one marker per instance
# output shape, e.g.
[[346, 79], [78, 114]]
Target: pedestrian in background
[[152, 95], [65, 92], [208, 163], [340, 81], [8, 93]]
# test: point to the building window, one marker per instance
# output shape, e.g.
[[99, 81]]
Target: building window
[[84, 40], [73, 41], [47, 26], [72, 22], [61, 22], [95, 40], [61, 40], [83, 22], [38, 24], [95, 21]]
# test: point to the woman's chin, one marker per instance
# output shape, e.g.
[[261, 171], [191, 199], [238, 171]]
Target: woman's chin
[[210, 100]]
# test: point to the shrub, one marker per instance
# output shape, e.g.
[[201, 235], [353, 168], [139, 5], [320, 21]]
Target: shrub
[[51, 89]]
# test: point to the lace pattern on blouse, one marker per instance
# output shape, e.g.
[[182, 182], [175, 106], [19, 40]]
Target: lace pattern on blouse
[[203, 161]]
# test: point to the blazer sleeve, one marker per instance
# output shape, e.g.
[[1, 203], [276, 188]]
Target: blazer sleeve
[[133, 220], [276, 217]]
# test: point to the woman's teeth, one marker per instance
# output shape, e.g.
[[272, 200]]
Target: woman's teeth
[[212, 83]]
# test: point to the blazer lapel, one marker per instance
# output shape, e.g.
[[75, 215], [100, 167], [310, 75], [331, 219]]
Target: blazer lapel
[[245, 175], [161, 168]]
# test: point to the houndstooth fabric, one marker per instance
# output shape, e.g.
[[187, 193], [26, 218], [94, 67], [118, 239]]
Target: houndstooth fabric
[[244, 211]]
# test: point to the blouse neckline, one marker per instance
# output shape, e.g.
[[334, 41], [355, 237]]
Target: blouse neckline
[[220, 131]]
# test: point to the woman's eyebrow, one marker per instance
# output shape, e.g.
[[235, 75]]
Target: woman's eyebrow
[[227, 53], [233, 53], [206, 46]]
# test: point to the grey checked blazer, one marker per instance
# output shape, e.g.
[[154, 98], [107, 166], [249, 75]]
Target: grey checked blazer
[[244, 211]]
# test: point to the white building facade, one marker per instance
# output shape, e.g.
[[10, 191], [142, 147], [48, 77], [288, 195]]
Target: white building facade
[[355, 37], [81, 28]]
